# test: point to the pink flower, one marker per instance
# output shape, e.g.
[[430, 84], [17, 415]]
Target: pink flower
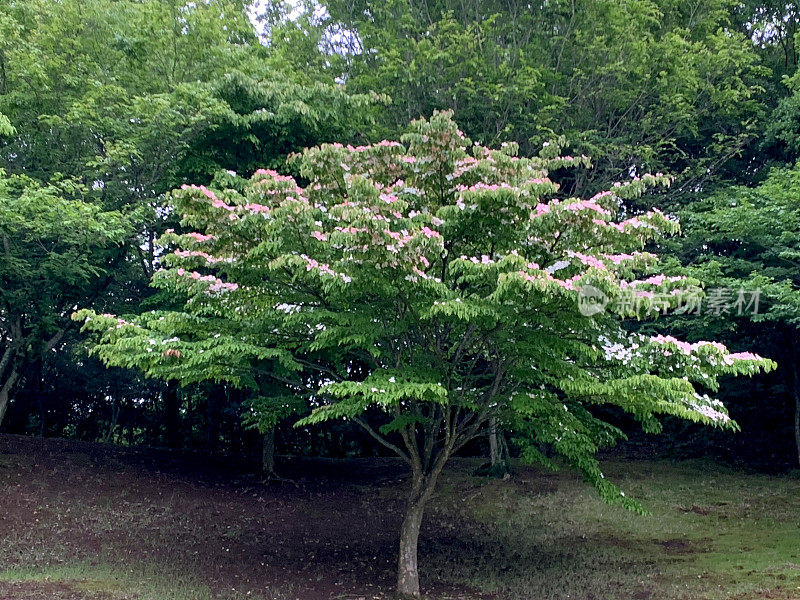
[[589, 261], [199, 237], [741, 356], [586, 205], [542, 209], [220, 204], [618, 258], [256, 208]]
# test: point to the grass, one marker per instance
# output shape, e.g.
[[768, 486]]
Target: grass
[[146, 582], [106, 532], [713, 533]]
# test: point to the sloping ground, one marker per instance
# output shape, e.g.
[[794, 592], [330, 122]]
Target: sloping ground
[[85, 521]]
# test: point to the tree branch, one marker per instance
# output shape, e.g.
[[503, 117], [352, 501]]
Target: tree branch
[[396, 449]]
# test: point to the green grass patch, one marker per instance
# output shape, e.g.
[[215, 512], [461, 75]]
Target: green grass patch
[[713, 533]]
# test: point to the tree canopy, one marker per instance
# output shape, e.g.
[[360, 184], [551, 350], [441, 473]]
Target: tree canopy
[[436, 282]]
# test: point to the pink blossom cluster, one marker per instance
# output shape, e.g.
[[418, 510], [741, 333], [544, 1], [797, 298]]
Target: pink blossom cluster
[[633, 223], [601, 195], [588, 260], [351, 229], [586, 205], [254, 208], [217, 285], [210, 260], [464, 166], [220, 204], [200, 237], [120, 321], [734, 356], [710, 412], [403, 237], [221, 286], [485, 259], [567, 284], [657, 280], [480, 187], [205, 191], [314, 265], [686, 347], [381, 144], [274, 175], [619, 258]]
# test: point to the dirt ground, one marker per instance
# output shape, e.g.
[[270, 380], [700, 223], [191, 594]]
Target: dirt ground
[[82, 521], [329, 531]]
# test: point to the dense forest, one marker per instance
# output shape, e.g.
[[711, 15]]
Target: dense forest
[[125, 123]]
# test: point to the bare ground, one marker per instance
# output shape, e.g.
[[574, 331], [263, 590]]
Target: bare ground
[[85, 521]]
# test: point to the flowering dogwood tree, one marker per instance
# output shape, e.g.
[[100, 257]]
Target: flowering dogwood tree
[[441, 282]]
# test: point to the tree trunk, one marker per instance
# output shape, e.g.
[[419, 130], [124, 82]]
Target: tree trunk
[[421, 490], [172, 414], [268, 452], [407, 571], [500, 463], [797, 423], [494, 444], [5, 392], [212, 418], [112, 426]]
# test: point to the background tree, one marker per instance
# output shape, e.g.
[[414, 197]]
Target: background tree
[[55, 256], [748, 238], [129, 100], [642, 85]]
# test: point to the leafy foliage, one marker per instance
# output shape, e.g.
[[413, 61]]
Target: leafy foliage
[[431, 282], [54, 256]]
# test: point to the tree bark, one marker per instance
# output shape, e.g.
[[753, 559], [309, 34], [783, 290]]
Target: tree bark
[[407, 569], [494, 445], [268, 452], [5, 392], [500, 462], [407, 566]]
